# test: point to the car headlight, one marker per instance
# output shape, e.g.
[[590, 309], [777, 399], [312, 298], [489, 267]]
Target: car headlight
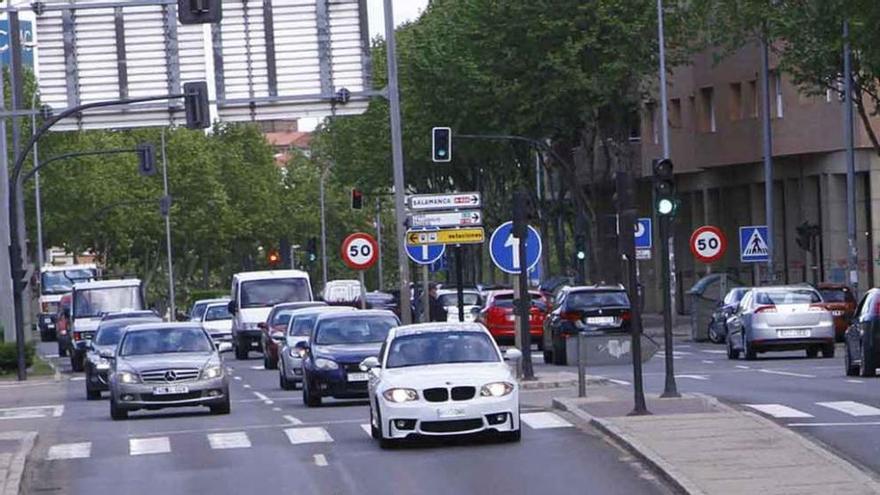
[[213, 371], [496, 389], [326, 364], [126, 377], [400, 395], [296, 353]]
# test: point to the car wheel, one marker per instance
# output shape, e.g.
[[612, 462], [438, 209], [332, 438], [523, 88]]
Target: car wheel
[[283, 382], [62, 351], [44, 336], [812, 352], [750, 353], [559, 351], [222, 408], [713, 334], [374, 432], [541, 344], [310, 399], [92, 394], [731, 352], [828, 351], [847, 362], [116, 412], [548, 357], [241, 352], [76, 363], [270, 364], [868, 361]]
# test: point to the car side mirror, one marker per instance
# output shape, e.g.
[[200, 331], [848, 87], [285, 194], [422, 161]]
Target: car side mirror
[[301, 348], [512, 354], [108, 355], [370, 363], [262, 325], [231, 307], [276, 335], [223, 347]]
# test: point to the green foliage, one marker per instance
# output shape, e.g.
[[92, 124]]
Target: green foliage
[[9, 356]]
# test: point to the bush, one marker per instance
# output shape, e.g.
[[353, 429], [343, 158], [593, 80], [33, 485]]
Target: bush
[[8, 356]]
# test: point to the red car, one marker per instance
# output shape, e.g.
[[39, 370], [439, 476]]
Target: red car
[[498, 316], [841, 302], [275, 328]]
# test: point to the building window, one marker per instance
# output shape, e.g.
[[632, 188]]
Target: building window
[[776, 93], [651, 121], [706, 111], [735, 103], [753, 99], [675, 113]]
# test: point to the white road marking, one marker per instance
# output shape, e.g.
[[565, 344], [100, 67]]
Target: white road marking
[[145, 446], [263, 398], [234, 440], [33, 412], [310, 434], [855, 381], [619, 382], [851, 408], [258, 368], [51, 356], [693, 377], [292, 420], [367, 429], [541, 420], [713, 351], [863, 423], [743, 367], [276, 409], [237, 378], [706, 361], [786, 373], [246, 385], [78, 379], [779, 411], [320, 460], [70, 451]]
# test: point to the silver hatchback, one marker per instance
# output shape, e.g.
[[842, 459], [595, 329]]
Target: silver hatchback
[[783, 318]]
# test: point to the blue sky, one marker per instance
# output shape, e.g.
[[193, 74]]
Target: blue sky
[[404, 10]]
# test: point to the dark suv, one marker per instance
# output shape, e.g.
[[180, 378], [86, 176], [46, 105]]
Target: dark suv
[[600, 307]]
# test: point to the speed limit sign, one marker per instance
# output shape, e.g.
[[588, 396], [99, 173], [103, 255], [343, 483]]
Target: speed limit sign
[[708, 244], [360, 251]]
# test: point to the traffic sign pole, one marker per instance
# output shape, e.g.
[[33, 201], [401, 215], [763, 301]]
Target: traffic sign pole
[[459, 276], [670, 390], [521, 260]]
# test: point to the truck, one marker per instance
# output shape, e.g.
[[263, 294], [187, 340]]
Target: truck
[[55, 282]]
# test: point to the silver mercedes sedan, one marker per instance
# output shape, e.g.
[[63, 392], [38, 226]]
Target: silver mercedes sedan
[[159, 365], [783, 318]]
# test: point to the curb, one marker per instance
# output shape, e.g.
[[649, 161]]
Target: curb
[[648, 456], [12, 484], [543, 385]]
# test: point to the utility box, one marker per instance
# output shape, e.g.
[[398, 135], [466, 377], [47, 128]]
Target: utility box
[[607, 349], [704, 297]]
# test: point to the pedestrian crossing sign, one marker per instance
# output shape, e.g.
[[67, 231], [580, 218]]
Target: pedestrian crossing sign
[[753, 245]]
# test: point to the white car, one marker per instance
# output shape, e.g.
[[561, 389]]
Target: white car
[[217, 321], [449, 299], [438, 379]]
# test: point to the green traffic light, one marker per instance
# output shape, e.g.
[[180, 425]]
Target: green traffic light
[[665, 206], [582, 255]]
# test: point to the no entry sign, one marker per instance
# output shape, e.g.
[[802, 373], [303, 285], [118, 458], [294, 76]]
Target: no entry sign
[[360, 251], [708, 244]]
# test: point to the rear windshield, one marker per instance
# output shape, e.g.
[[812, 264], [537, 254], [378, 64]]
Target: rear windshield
[[837, 295], [596, 299], [506, 300], [218, 312], [470, 299], [91, 303], [793, 296], [735, 296], [354, 330]]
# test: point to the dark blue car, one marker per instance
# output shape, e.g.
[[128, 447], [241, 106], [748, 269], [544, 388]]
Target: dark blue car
[[338, 344]]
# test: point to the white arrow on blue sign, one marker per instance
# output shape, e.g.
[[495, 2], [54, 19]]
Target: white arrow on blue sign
[[504, 249], [425, 255], [644, 234]]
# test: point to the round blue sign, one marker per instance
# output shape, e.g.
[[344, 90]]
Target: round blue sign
[[425, 255], [504, 249]]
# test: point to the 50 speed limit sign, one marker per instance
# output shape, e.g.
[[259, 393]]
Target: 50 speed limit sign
[[360, 251], [708, 244]]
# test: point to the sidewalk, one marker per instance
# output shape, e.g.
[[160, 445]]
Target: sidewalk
[[704, 447], [14, 449], [558, 379]]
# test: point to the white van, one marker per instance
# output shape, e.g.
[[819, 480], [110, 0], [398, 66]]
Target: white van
[[55, 282], [253, 294]]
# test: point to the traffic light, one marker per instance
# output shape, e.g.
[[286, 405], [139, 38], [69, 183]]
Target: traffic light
[[312, 249], [665, 201], [274, 257], [580, 247], [806, 233], [441, 144], [146, 159], [195, 99], [199, 11], [357, 199], [165, 206], [520, 215]]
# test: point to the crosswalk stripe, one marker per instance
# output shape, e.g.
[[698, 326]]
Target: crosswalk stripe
[[311, 434], [693, 377], [851, 408], [779, 411], [541, 420], [70, 451], [367, 429], [713, 351], [146, 446], [234, 440], [786, 373]]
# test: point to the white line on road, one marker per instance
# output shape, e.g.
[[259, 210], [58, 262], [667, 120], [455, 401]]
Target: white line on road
[[70, 451], [311, 434], [258, 368], [706, 361], [851, 408], [78, 379], [234, 440], [855, 381], [786, 373], [293, 420], [863, 423], [276, 409], [263, 398], [246, 385], [713, 351], [237, 378], [619, 382], [779, 411], [541, 420], [33, 412], [743, 367], [693, 377], [51, 356], [144, 446], [320, 460], [367, 429]]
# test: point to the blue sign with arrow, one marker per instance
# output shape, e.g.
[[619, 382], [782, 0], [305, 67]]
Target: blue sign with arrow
[[644, 234], [753, 246], [425, 255], [504, 248]]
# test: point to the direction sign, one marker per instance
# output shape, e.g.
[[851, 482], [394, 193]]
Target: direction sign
[[445, 236], [708, 244], [753, 246], [469, 218], [445, 201], [360, 251], [426, 254], [644, 234], [504, 249]]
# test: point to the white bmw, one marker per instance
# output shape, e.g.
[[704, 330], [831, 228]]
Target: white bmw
[[438, 379]]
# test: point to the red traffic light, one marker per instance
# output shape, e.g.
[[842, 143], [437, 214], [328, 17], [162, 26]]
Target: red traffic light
[[357, 199], [274, 257]]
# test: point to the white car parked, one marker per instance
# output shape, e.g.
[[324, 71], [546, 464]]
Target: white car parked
[[438, 379]]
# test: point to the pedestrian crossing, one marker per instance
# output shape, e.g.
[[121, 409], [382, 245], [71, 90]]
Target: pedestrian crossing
[[297, 435], [841, 409]]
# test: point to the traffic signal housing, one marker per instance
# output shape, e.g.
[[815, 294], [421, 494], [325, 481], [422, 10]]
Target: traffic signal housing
[[441, 144], [146, 159], [274, 257], [665, 200], [312, 249], [195, 100], [199, 11], [357, 199]]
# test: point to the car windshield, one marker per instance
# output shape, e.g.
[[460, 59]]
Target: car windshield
[[90, 303], [109, 335], [786, 296], [735, 296], [217, 312], [282, 317], [165, 341], [354, 330], [198, 310], [301, 326], [837, 295], [59, 282], [441, 348], [596, 299], [265, 293], [470, 299]]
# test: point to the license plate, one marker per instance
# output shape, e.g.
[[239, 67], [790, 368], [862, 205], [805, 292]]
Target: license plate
[[357, 377], [797, 332], [455, 412], [601, 320], [171, 390]]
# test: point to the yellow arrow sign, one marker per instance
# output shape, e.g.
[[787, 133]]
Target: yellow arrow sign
[[446, 236]]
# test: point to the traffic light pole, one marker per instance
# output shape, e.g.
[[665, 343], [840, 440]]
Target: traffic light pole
[[669, 390], [171, 303]]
